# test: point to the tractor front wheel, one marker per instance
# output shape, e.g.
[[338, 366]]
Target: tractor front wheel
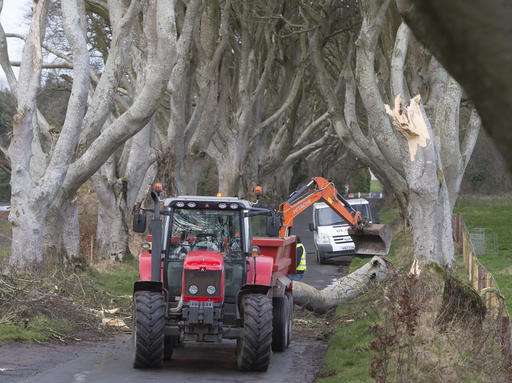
[[255, 345], [149, 326]]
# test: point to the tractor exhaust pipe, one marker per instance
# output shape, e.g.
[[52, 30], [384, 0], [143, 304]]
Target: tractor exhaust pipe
[[156, 243], [371, 240]]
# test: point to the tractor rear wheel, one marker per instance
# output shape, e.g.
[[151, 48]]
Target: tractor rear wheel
[[280, 323], [149, 326], [289, 300], [254, 347]]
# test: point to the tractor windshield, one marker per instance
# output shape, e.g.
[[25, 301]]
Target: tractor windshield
[[215, 230]]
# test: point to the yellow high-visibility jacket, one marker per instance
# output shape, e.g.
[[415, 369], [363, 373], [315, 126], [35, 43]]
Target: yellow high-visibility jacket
[[301, 258]]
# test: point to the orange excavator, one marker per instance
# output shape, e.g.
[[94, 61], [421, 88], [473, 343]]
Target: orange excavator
[[369, 239]]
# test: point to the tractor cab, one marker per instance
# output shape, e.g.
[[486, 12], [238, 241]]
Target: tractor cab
[[206, 240]]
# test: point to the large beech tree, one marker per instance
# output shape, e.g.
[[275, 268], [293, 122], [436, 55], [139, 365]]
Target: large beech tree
[[41, 179], [387, 62]]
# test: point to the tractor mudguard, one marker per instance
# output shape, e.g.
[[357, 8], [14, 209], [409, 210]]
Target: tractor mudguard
[[145, 267], [147, 286], [259, 270]]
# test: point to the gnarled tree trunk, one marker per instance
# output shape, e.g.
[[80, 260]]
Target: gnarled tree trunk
[[343, 289]]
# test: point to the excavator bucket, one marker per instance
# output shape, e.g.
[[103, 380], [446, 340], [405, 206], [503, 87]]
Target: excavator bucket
[[374, 239]]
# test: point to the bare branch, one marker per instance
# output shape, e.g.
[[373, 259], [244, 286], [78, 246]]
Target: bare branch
[[398, 82], [305, 150], [161, 50], [469, 139], [47, 47], [4, 59], [102, 101], [55, 65], [73, 13], [27, 88], [294, 91], [271, 46], [310, 129]]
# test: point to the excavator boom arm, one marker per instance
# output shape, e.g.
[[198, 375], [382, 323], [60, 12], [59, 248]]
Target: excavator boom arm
[[369, 239], [318, 189]]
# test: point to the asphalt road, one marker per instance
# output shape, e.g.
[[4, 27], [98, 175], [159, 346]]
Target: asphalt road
[[111, 361]]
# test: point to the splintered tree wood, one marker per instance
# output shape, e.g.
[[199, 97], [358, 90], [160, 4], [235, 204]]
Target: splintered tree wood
[[410, 121], [343, 289]]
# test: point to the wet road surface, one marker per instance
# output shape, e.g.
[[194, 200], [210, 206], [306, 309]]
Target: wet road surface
[[111, 361]]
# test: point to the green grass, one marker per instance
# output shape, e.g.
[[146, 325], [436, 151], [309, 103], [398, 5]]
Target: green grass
[[389, 215], [116, 283], [375, 186], [118, 280], [5, 248], [348, 356], [38, 329], [494, 214]]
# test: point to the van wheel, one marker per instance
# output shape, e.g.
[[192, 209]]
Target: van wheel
[[319, 259]]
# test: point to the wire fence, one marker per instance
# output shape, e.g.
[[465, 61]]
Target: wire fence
[[475, 243], [485, 241]]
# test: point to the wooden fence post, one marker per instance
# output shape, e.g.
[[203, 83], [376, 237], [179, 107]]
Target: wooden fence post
[[480, 278]]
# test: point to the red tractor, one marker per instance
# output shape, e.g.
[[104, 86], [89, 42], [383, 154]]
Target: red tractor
[[205, 278]]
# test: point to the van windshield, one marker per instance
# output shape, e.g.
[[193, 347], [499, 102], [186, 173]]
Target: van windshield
[[326, 216]]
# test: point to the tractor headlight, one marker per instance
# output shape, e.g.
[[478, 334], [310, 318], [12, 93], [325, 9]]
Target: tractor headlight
[[192, 289], [211, 290], [323, 238]]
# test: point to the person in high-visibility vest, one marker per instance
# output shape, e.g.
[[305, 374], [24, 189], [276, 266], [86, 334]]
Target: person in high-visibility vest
[[300, 255]]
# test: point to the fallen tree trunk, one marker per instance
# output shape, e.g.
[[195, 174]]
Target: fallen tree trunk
[[340, 290]]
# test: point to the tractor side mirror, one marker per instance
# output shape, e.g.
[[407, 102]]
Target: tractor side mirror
[[311, 226], [139, 221]]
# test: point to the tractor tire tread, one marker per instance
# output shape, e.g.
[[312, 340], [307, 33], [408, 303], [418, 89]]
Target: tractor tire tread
[[279, 324], [255, 348], [149, 328]]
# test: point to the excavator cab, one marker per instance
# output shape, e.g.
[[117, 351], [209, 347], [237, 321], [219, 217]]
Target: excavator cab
[[369, 239]]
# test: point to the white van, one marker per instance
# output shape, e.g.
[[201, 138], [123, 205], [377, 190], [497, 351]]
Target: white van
[[331, 231]]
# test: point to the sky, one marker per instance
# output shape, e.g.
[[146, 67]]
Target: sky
[[12, 19]]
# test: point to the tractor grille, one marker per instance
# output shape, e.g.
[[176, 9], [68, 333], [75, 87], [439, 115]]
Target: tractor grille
[[341, 239], [203, 279]]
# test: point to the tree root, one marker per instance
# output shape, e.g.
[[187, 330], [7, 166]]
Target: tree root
[[341, 290]]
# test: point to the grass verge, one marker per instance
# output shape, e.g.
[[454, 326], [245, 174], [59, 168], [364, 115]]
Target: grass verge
[[348, 356], [493, 214], [65, 305], [429, 329]]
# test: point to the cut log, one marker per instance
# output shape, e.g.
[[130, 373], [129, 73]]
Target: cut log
[[341, 290]]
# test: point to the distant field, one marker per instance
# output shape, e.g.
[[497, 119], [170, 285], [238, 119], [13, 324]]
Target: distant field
[[375, 186], [495, 215], [5, 239]]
